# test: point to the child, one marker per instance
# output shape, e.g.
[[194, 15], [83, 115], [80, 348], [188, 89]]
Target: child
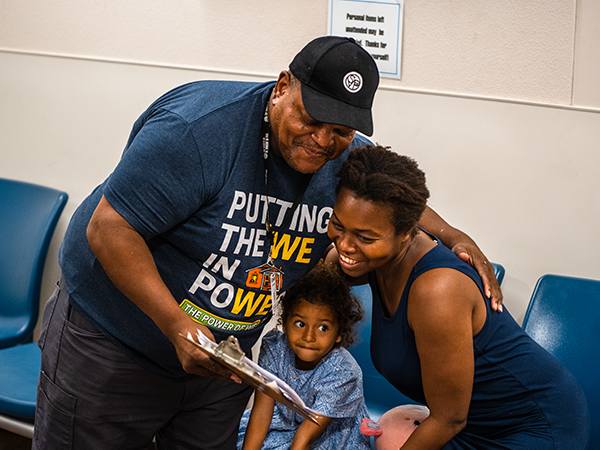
[[318, 315]]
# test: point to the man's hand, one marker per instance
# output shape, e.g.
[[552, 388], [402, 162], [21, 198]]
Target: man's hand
[[194, 360], [471, 254]]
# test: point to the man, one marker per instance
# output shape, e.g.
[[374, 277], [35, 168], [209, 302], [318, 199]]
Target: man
[[219, 203]]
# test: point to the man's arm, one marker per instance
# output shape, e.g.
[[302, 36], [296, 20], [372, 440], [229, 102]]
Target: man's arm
[[127, 260], [467, 250]]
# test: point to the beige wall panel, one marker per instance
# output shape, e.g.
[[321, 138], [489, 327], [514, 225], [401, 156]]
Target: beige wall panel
[[258, 36], [521, 179], [586, 76], [508, 49], [517, 49]]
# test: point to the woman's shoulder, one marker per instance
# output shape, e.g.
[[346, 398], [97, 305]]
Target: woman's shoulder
[[441, 257], [439, 272]]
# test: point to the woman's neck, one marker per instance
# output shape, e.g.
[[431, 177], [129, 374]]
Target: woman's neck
[[393, 276]]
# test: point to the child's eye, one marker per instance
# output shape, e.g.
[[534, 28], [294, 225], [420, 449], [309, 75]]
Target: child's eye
[[299, 324], [323, 328]]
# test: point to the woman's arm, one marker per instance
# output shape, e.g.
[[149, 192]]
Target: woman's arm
[[467, 250], [259, 422], [307, 432], [443, 306]]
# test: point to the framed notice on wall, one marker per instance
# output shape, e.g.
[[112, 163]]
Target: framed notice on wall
[[376, 25]]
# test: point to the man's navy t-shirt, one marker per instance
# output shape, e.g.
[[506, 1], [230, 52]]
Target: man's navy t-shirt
[[191, 181]]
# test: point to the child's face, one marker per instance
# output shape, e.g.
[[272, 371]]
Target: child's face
[[311, 332]]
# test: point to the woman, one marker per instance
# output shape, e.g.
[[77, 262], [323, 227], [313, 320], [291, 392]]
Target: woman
[[434, 335]]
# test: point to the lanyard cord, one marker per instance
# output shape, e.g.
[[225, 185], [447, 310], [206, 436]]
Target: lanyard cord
[[265, 129], [299, 193]]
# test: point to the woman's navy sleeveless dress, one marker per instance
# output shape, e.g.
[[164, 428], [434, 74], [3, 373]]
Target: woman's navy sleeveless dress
[[523, 398]]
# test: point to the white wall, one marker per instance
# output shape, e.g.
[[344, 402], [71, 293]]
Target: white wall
[[516, 175], [519, 49], [522, 180]]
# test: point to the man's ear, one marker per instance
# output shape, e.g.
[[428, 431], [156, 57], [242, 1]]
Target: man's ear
[[282, 86], [339, 339]]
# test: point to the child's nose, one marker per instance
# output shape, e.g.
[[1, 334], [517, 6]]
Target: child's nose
[[309, 334]]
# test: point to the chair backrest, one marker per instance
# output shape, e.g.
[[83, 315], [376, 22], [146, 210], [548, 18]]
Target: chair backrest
[[499, 272], [563, 316], [380, 395], [28, 217]]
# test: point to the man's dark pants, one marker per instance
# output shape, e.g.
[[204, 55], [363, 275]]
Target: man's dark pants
[[92, 396]]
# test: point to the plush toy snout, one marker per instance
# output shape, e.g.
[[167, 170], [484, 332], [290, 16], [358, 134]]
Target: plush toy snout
[[393, 428]]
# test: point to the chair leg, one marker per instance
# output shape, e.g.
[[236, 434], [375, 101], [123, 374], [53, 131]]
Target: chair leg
[[16, 426]]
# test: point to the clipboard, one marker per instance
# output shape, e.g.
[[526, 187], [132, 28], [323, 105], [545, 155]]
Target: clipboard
[[229, 353]]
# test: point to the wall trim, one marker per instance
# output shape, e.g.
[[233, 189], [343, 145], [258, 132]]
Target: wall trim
[[270, 76]]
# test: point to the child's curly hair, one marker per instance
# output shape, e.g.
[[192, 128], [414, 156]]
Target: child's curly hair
[[326, 285]]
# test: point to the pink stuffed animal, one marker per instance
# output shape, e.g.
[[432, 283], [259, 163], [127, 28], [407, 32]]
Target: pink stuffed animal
[[393, 428]]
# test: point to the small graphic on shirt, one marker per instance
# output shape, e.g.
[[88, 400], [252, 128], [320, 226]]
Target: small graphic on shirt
[[260, 277]]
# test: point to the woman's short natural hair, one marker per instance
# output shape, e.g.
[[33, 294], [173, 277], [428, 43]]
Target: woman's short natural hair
[[379, 175]]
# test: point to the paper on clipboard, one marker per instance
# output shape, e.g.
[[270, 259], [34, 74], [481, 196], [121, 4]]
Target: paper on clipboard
[[229, 353]]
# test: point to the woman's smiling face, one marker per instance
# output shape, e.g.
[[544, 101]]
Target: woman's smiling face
[[363, 234]]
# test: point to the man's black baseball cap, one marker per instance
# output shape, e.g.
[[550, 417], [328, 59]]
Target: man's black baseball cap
[[339, 79]]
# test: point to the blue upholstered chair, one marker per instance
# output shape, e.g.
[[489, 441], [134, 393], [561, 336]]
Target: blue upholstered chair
[[499, 272], [380, 395], [563, 316], [28, 217], [19, 373]]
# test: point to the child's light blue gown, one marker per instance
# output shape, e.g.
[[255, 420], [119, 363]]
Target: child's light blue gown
[[334, 389]]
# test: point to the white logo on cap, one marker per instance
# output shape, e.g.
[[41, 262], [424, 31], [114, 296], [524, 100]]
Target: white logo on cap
[[353, 82]]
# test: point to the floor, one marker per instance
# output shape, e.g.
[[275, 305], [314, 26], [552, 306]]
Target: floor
[[10, 441]]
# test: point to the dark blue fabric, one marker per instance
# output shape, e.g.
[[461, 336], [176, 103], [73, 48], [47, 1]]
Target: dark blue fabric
[[523, 398], [191, 181]]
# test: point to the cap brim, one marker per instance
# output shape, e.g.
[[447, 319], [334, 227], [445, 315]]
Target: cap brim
[[326, 109]]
